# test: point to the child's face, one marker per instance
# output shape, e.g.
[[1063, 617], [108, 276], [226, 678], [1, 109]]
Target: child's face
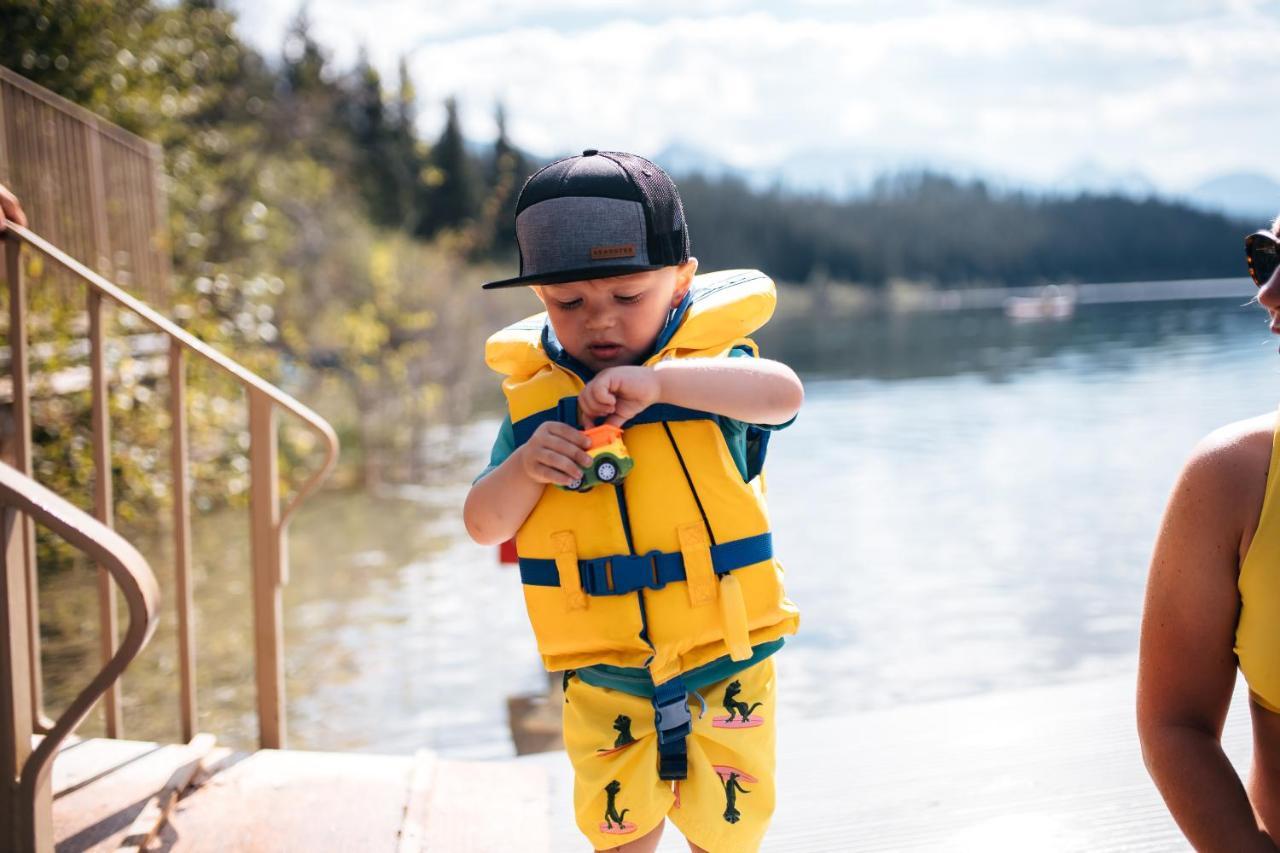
[[605, 322]]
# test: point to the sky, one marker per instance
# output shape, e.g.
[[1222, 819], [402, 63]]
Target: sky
[[1179, 91]]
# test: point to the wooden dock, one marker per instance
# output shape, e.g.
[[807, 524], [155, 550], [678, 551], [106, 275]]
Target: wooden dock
[[1047, 769], [108, 795]]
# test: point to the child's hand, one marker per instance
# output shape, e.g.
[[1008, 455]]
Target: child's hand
[[618, 394], [556, 454]]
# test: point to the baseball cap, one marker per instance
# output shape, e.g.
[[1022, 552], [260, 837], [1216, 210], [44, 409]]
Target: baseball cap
[[596, 215]]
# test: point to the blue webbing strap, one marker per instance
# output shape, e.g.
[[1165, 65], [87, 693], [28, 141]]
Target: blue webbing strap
[[673, 723], [623, 573], [566, 412]]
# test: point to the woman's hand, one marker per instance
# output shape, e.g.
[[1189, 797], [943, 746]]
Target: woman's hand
[[618, 394], [10, 209]]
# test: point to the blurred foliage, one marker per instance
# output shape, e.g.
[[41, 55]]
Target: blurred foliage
[[315, 236]]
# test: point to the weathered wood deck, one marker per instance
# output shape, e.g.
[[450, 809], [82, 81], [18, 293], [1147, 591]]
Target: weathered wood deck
[[283, 800], [1046, 769]]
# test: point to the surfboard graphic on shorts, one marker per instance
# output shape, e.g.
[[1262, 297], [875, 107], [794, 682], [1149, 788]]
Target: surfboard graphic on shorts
[[726, 722], [723, 771]]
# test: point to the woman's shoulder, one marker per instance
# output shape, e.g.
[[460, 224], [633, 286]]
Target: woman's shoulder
[[1226, 473], [1236, 448]]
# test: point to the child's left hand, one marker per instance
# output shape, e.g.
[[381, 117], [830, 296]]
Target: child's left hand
[[618, 394]]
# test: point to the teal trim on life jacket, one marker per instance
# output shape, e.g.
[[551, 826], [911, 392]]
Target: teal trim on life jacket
[[636, 680]]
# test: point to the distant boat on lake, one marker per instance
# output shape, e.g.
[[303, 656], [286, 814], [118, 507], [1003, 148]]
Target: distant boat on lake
[[1051, 303]]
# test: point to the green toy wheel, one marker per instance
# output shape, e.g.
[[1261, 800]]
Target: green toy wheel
[[607, 469]]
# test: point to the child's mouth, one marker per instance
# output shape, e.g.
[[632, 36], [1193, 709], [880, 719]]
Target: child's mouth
[[605, 351]]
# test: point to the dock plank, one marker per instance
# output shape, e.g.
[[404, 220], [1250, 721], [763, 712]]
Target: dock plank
[[100, 787], [477, 807], [284, 800]]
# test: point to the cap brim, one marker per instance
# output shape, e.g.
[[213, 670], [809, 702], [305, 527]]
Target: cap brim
[[580, 274]]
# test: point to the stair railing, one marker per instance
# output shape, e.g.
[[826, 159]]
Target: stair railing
[[26, 807], [268, 522]]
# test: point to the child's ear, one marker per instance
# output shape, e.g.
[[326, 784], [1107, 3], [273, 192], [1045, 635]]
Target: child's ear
[[684, 280], [537, 291]]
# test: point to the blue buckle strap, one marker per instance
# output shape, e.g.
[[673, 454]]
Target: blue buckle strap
[[624, 573], [673, 723]]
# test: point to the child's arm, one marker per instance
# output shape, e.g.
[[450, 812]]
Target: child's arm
[[500, 501], [751, 390]]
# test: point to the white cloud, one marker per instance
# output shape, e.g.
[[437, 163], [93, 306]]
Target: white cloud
[[1172, 89]]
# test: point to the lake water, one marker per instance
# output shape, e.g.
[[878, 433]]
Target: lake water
[[965, 504]]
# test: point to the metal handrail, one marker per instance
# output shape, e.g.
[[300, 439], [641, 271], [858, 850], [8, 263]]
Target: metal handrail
[[238, 371], [268, 523], [28, 807]]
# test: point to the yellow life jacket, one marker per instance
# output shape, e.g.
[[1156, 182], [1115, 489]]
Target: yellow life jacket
[[673, 567]]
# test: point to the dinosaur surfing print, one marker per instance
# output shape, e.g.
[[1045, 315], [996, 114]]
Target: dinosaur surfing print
[[622, 725], [615, 822], [740, 713], [732, 778]]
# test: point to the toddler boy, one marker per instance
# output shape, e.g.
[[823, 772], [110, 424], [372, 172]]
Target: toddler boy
[[656, 590]]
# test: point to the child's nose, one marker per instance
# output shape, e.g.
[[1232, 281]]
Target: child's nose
[[600, 319]]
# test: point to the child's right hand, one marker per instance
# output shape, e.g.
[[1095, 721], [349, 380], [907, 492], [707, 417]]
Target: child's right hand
[[556, 453]]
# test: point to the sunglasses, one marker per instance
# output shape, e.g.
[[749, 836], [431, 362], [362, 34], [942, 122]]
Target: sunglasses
[[1262, 251]]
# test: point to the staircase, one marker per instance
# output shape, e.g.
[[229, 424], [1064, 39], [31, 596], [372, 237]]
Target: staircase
[[57, 791]]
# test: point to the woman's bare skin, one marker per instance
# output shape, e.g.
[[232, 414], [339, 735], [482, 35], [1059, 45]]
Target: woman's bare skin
[[1187, 663]]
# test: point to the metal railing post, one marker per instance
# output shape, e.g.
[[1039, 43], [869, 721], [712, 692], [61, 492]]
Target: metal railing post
[[182, 537], [15, 705], [18, 372], [267, 558], [102, 501]]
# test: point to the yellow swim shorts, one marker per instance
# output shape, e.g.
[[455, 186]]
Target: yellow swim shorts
[[727, 800]]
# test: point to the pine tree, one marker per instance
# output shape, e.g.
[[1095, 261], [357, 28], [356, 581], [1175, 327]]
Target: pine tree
[[453, 191]]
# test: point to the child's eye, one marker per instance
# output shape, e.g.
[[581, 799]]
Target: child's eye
[[627, 300], [570, 305]]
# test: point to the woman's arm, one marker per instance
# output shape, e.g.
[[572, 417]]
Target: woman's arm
[[1186, 667]]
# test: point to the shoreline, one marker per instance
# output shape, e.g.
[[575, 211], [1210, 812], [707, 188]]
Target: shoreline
[[908, 297]]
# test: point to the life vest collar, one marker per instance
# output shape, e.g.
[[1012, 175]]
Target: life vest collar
[[719, 307]]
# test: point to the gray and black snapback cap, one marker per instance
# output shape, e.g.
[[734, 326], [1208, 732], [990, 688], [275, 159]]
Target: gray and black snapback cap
[[600, 214]]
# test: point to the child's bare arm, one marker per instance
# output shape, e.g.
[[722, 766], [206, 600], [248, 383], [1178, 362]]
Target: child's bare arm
[[752, 390], [500, 501]]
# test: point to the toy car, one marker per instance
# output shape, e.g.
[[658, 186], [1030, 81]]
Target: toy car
[[610, 461]]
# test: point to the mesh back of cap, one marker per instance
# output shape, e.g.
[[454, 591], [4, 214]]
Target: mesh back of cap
[[668, 235]]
